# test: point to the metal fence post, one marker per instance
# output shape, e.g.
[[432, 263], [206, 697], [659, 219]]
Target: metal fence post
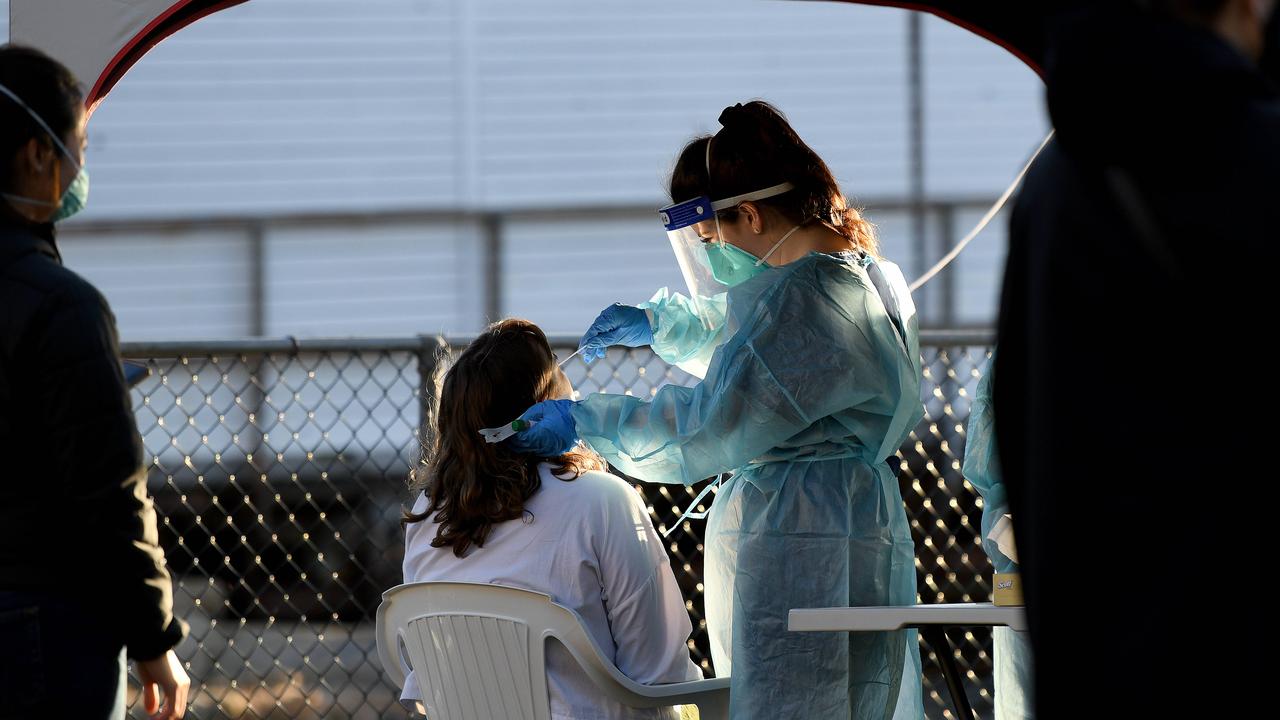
[[257, 278], [916, 158], [947, 285], [491, 236]]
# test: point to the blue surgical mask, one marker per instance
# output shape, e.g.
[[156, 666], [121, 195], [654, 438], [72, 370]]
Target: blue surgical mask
[[77, 193], [75, 198], [731, 265], [72, 201]]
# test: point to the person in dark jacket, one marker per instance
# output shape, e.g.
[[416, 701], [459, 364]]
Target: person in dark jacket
[[1132, 395], [81, 575]]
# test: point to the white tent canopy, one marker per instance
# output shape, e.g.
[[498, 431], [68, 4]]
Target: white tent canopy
[[99, 40]]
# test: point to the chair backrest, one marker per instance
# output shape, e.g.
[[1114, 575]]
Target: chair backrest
[[479, 650]]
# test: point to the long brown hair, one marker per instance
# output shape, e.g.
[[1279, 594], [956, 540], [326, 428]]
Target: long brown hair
[[757, 148], [470, 484]]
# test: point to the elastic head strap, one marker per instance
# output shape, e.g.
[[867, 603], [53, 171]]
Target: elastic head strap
[[754, 195], [40, 121]]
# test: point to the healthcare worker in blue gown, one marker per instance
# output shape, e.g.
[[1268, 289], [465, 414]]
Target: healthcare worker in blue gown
[[1012, 649], [806, 343]]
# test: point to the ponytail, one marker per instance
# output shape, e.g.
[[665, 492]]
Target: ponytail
[[756, 148]]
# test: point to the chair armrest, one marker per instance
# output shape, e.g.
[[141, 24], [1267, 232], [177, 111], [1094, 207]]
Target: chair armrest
[[711, 696], [684, 693], [389, 648]]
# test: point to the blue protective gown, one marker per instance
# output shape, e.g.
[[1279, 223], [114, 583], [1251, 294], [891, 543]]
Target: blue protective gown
[[981, 468], [808, 390]]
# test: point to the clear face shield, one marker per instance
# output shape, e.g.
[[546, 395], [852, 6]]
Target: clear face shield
[[680, 221], [706, 276]]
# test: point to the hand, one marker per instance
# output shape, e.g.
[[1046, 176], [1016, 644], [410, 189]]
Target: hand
[[164, 677], [618, 324], [553, 434]]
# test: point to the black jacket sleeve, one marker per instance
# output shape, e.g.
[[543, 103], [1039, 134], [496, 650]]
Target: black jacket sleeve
[[84, 414]]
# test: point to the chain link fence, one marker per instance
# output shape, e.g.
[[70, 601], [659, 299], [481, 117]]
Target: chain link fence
[[278, 469]]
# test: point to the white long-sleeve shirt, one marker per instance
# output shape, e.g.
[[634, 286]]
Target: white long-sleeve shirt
[[589, 545]]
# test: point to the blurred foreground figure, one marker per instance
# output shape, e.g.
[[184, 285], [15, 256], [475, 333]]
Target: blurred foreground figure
[[82, 577], [1130, 400], [1011, 662]]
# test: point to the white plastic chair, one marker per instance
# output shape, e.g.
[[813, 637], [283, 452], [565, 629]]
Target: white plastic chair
[[479, 654]]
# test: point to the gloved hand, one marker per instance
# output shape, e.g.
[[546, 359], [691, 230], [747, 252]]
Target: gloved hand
[[618, 324], [553, 434]]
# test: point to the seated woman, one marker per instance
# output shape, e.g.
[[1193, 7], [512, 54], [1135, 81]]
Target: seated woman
[[557, 525]]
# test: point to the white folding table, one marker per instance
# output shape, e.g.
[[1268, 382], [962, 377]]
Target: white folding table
[[931, 620]]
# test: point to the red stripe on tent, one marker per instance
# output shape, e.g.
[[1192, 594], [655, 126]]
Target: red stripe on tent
[[178, 16]]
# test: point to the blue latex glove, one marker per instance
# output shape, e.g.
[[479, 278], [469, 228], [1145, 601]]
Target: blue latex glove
[[618, 324], [554, 432]]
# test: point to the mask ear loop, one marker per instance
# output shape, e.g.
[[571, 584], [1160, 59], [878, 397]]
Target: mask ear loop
[[777, 245], [57, 184], [40, 121]]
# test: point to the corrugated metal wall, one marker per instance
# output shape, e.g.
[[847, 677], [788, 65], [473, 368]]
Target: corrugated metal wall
[[984, 113], [403, 279], [287, 107], [181, 284], [560, 274], [590, 102]]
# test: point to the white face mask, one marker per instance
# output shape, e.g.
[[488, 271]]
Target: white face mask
[[77, 193]]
